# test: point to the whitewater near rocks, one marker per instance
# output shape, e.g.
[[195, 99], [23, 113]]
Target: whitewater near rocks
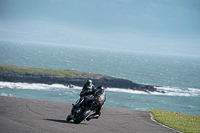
[[119, 98], [59, 87]]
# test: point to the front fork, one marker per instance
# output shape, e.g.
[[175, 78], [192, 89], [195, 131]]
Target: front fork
[[77, 105]]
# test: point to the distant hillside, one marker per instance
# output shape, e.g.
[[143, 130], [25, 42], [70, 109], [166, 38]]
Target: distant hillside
[[67, 77]]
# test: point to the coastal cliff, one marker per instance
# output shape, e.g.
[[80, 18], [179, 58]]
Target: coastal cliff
[[66, 77]]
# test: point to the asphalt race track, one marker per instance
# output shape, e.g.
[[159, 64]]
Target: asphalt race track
[[18, 115]]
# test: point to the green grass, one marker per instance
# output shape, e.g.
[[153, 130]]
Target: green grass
[[181, 122], [30, 70], [54, 72]]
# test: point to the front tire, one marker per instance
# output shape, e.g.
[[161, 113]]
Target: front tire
[[82, 116], [69, 118]]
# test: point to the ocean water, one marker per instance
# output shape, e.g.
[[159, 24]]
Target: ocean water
[[178, 76]]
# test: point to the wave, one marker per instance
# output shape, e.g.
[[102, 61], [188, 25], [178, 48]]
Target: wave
[[168, 91], [37, 86], [59, 87], [179, 92], [5, 94], [126, 90]]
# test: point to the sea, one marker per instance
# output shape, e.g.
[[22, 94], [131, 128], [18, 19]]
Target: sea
[[177, 75]]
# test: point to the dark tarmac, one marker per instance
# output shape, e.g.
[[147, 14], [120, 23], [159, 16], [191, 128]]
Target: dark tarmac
[[18, 115]]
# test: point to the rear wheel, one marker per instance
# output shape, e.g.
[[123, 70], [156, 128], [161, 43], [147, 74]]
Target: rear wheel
[[82, 116]]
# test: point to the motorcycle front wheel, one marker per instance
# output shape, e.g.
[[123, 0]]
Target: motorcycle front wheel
[[69, 118], [82, 116]]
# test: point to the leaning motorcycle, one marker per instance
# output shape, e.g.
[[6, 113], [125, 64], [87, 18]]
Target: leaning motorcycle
[[82, 109]]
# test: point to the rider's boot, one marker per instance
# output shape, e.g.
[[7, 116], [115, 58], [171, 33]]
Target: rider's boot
[[93, 116]]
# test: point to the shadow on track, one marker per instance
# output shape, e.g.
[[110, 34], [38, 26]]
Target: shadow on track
[[62, 121]]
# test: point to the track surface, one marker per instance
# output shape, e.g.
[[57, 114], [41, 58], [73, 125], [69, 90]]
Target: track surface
[[18, 115]]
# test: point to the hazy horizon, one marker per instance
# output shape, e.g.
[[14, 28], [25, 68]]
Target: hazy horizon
[[165, 27]]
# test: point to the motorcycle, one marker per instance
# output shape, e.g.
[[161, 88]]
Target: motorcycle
[[82, 109]]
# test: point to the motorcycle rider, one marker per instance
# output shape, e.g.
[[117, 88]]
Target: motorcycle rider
[[100, 95], [88, 89]]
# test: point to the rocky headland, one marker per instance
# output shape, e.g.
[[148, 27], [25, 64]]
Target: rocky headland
[[72, 78]]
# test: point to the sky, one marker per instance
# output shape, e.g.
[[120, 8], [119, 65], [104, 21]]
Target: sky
[[154, 26]]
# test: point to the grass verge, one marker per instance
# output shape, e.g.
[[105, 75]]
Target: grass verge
[[181, 122], [30, 70]]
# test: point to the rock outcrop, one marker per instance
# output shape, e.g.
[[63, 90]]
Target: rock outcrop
[[79, 80]]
